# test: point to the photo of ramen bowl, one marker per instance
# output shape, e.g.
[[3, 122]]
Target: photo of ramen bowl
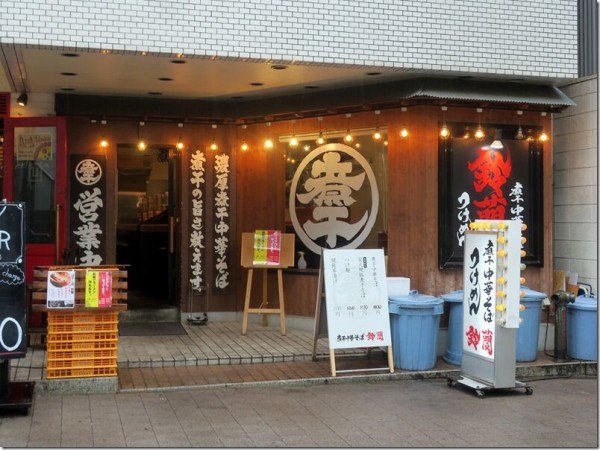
[[60, 279]]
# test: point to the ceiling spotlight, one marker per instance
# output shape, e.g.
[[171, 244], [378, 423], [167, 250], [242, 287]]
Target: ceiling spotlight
[[22, 99]]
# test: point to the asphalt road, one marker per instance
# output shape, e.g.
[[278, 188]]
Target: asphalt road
[[427, 413]]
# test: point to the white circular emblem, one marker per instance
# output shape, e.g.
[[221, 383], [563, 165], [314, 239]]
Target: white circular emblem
[[88, 172], [331, 178]]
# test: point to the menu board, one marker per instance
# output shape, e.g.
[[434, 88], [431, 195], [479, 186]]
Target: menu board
[[267, 247], [357, 299], [12, 281], [98, 289], [61, 289]]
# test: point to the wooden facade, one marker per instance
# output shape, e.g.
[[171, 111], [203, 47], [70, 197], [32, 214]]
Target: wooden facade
[[257, 192]]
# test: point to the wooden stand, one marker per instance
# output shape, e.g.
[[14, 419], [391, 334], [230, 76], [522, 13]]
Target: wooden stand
[[286, 260]]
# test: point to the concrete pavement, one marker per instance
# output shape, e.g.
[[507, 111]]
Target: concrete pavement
[[562, 412]]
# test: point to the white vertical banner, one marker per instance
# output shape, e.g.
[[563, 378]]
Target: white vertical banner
[[479, 303], [357, 298]]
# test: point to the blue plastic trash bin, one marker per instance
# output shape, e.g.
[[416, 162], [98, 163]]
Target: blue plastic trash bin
[[453, 354], [415, 325], [529, 329], [582, 328]]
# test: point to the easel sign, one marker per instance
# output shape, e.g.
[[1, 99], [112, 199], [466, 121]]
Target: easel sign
[[357, 302]]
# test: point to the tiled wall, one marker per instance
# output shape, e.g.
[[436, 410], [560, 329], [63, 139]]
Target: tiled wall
[[576, 183], [506, 37]]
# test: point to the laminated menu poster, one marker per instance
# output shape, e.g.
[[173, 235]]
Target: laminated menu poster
[[98, 289], [61, 289], [267, 247], [357, 298]]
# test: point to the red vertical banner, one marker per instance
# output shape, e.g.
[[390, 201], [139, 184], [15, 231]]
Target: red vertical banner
[[105, 289]]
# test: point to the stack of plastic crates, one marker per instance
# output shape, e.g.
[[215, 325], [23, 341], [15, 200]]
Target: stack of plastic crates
[[82, 344]]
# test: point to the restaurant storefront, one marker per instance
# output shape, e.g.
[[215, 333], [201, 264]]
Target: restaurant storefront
[[175, 213]]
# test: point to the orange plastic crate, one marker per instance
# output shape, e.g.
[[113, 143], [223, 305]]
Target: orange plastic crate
[[82, 327], [83, 345], [81, 318], [80, 363], [80, 354], [109, 371], [97, 336]]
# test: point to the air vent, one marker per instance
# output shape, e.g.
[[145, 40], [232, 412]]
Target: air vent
[[4, 104]]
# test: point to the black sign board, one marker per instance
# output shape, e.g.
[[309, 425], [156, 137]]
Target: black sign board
[[498, 177], [13, 342], [88, 212]]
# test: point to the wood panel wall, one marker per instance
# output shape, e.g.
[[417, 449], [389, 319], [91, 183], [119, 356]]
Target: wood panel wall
[[258, 200]]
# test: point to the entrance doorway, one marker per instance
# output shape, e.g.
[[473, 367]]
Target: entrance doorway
[[147, 225]]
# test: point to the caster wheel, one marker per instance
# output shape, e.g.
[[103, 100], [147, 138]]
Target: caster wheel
[[528, 390], [480, 394], [450, 382]]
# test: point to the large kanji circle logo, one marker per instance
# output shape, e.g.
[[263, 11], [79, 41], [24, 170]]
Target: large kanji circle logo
[[88, 172], [323, 184]]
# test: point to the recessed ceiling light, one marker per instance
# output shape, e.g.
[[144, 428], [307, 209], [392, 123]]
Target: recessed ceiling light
[[310, 86], [154, 93], [373, 73], [178, 61], [165, 79], [69, 74], [279, 67], [256, 83], [67, 89], [70, 55]]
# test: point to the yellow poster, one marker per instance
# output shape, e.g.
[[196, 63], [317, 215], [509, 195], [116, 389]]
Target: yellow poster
[[91, 288]]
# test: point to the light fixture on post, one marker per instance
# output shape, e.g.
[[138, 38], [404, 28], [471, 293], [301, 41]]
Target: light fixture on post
[[179, 145], [444, 131], [348, 138], [543, 135], [293, 140], [519, 134], [244, 147], [321, 138], [479, 133], [213, 145], [404, 129], [22, 99], [141, 144], [377, 135], [268, 141]]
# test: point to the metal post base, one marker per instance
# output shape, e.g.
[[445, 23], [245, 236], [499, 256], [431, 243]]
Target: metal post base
[[19, 396], [481, 388]]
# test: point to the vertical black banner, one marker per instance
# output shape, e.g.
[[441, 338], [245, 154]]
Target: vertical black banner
[[13, 342], [87, 209]]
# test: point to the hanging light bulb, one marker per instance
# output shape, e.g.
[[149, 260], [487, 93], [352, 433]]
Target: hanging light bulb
[[321, 138], [179, 145], [543, 135], [244, 147], [293, 140], [141, 145], [519, 134], [348, 137], [103, 142], [403, 130], [377, 135], [213, 144], [268, 142], [444, 131], [479, 133]]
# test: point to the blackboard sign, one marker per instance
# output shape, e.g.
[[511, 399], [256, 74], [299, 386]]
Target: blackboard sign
[[13, 342], [499, 177]]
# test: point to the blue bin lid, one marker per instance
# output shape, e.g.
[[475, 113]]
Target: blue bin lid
[[531, 295], [584, 303], [454, 296], [416, 300]]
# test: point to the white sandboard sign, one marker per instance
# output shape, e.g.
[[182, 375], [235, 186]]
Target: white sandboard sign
[[357, 298]]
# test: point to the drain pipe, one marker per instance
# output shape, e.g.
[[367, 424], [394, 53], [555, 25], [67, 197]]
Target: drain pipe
[[560, 299]]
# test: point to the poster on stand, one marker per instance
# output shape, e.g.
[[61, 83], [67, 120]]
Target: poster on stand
[[61, 289], [267, 247], [98, 289], [357, 299]]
